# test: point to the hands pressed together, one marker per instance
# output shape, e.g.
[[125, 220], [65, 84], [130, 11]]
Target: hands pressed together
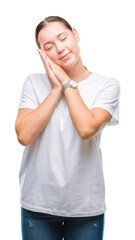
[[55, 73]]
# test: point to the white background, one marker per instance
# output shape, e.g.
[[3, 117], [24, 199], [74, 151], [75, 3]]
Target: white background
[[107, 44]]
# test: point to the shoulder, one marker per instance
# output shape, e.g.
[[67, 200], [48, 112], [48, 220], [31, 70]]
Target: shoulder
[[39, 80], [105, 81], [37, 76]]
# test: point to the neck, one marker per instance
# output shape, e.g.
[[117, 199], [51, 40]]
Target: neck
[[78, 71]]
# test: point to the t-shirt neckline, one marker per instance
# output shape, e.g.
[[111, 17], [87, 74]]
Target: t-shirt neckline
[[85, 80]]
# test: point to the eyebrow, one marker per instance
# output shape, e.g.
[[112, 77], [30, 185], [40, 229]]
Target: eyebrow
[[57, 37]]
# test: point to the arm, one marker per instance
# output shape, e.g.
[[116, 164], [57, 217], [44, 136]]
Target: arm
[[86, 121], [29, 125]]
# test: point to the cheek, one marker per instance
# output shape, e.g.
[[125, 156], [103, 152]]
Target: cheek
[[51, 55], [74, 47]]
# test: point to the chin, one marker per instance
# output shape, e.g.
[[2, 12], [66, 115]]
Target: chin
[[69, 64]]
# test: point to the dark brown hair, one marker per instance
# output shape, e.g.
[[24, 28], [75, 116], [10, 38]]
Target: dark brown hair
[[46, 21]]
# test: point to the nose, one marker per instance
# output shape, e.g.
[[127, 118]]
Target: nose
[[60, 47]]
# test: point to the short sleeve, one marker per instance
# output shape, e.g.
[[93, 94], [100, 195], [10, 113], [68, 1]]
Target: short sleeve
[[108, 99], [28, 97]]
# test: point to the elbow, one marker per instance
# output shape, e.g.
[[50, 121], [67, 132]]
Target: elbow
[[85, 134], [19, 137], [22, 140]]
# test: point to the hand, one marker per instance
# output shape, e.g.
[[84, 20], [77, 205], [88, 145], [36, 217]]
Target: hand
[[58, 71], [53, 80]]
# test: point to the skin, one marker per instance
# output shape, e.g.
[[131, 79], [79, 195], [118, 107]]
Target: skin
[[87, 122], [58, 69], [29, 122]]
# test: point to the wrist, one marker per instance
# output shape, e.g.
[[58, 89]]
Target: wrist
[[64, 82], [70, 83], [57, 89]]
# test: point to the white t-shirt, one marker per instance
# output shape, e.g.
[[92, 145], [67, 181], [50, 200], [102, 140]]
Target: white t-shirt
[[61, 173]]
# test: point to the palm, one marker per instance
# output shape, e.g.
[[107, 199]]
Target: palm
[[53, 79]]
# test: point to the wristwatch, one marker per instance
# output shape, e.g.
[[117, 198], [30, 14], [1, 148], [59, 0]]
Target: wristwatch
[[70, 83]]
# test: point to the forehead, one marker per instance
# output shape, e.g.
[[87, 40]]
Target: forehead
[[51, 30], [55, 25]]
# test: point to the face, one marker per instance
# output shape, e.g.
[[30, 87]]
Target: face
[[57, 41]]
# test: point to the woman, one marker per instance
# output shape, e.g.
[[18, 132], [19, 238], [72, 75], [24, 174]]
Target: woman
[[60, 119]]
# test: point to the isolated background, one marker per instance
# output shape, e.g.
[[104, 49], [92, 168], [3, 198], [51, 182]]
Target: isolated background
[[107, 44]]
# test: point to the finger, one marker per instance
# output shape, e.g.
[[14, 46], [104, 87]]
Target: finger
[[44, 60], [43, 57], [51, 63]]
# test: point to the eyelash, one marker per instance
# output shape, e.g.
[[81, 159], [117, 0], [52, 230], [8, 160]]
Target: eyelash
[[51, 47], [63, 38]]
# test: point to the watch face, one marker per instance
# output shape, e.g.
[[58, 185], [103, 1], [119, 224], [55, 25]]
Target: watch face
[[73, 83]]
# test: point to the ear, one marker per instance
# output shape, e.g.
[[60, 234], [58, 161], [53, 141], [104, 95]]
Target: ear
[[76, 35]]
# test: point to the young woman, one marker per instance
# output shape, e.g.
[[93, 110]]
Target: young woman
[[60, 119]]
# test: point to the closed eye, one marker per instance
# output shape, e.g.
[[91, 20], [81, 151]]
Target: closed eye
[[48, 48], [51, 47], [63, 38]]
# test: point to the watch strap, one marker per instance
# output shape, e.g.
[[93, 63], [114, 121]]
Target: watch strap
[[68, 85]]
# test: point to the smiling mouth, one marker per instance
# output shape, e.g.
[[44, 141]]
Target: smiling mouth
[[65, 56]]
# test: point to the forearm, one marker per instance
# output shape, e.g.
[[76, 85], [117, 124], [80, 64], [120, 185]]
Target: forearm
[[80, 114], [32, 124]]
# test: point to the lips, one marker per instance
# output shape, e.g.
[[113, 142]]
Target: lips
[[64, 55]]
